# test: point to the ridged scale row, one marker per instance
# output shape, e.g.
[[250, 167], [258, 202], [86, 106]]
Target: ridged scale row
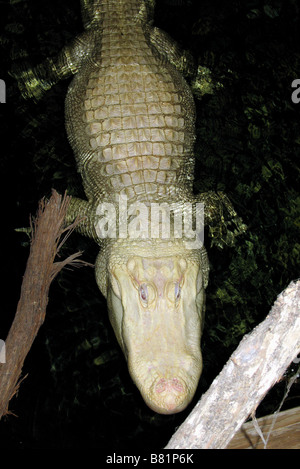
[[135, 124]]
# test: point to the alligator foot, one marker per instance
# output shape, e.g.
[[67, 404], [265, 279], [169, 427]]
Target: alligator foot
[[221, 218]]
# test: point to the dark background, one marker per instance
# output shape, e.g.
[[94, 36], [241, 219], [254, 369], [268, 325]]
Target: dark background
[[78, 393]]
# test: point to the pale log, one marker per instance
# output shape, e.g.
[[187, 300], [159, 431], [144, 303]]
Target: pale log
[[256, 365]]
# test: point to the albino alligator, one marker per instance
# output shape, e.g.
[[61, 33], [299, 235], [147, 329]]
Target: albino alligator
[[130, 121]]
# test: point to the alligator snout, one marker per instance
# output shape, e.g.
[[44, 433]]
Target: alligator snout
[[167, 389], [169, 395]]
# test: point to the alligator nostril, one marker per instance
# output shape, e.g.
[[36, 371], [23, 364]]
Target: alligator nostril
[[177, 385], [169, 396], [169, 385], [161, 385]]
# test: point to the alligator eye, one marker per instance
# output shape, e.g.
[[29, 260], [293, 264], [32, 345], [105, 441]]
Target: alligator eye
[[177, 291], [173, 291], [143, 291]]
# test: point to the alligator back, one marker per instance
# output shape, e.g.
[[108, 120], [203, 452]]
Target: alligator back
[[129, 113]]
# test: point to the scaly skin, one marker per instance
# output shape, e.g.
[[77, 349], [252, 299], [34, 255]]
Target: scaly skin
[[130, 121]]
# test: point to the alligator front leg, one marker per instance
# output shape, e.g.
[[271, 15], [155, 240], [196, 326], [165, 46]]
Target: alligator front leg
[[171, 52], [221, 218], [200, 78], [34, 82]]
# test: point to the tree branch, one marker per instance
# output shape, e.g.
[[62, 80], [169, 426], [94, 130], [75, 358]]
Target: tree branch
[[256, 365], [41, 269]]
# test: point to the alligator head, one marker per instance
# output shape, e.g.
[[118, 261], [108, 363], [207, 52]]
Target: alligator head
[[156, 308]]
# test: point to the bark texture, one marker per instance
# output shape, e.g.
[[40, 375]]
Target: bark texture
[[41, 269], [256, 365]]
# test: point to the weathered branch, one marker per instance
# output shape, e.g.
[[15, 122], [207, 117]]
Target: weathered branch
[[257, 364], [40, 271]]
